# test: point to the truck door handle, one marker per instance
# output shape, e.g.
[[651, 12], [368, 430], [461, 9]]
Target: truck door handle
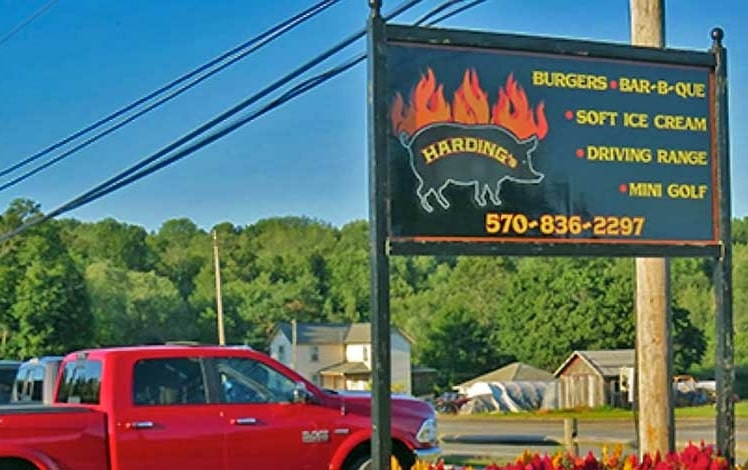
[[244, 421], [140, 425]]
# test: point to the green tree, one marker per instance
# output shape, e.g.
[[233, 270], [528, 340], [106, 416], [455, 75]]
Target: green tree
[[458, 347], [740, 303], [181, 249], [45, 306], [350, 284], [689, 343], [455, 304], [553, 306], [159, 309], [131, 307], [108, 289], [51, 309], [740, 231], [691, 289], [123, 245]]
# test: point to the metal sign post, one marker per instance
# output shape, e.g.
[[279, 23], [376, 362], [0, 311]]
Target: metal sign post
[[725, 373], [380, 268]]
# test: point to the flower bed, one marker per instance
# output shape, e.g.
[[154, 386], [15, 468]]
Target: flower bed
[[693, 457]]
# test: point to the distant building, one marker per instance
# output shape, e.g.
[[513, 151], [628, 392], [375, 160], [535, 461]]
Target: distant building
[[514, 372], [593, 378], [338, 356]]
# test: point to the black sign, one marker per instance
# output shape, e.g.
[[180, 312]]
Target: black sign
[[506, 146]]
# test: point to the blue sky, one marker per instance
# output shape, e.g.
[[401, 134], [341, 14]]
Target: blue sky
[[83, 59]]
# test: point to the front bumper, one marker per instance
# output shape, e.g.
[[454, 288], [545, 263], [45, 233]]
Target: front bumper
[[429, 454]]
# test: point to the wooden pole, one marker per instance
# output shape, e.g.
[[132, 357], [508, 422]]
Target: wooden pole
[[219, 300], [653, 338], [570, 436], [294, 342]]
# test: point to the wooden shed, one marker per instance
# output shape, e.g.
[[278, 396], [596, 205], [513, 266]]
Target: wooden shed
[[592, 378]]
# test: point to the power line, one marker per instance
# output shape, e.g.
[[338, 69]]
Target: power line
[[457, 11], [436, 10], [112, 185], [257, 43], [253, 44], [122, 179], [27, 21], [244, 104]]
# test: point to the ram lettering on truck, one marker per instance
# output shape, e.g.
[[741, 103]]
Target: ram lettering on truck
[[194, 407]]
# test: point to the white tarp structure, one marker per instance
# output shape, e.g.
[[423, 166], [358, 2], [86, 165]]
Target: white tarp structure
[[510, 396]]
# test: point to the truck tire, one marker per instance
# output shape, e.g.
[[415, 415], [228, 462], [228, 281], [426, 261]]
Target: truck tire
[[17, 464], [363, 462]]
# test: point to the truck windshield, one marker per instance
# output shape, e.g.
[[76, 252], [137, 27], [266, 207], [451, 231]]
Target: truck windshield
[[80, 382]]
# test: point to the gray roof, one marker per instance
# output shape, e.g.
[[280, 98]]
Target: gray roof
[[359, 333], [313, 333], [516, 371], [331, 333], [346, 368], [607, 362]]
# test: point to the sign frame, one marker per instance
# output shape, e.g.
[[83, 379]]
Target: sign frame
[[382, 246], [493, 246]]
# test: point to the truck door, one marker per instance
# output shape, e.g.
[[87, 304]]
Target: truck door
[[170, 424], [263, 427]]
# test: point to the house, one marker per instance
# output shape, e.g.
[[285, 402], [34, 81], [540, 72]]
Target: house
[[593, 378], [338, 356]]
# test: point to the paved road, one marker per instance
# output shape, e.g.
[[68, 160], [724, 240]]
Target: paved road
[[506, 439]]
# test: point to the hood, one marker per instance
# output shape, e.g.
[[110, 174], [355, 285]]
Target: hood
[[403, 405]]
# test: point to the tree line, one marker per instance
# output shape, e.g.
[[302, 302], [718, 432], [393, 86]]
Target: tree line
[[67, 284]]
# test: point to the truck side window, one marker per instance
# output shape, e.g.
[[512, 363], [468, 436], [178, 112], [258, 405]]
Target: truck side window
[[248, 381], [21, 392], [80, 382], [168, 381], [36, 383]]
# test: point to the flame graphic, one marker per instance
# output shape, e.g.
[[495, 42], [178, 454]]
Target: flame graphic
[[427, 105]]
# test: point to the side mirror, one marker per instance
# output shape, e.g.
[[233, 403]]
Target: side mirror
[[301, 394]]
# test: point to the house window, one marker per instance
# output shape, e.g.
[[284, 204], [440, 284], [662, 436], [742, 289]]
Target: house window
[[281, 353], [314, 354], [366, 353]]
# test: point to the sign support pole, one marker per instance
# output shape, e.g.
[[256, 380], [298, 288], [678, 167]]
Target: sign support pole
[[725, 373], [656, 430], [381, 442]]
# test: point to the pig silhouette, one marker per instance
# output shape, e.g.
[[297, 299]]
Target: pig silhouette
[[437, 167]]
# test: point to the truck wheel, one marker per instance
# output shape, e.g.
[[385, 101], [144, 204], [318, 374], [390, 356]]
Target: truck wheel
[[364, 463], [17, 464], [361, 463]]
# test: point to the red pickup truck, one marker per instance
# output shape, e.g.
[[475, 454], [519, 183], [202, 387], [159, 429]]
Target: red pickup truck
[[201, 407]]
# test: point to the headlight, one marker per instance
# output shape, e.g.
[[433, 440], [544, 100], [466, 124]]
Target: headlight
[[427, 431]]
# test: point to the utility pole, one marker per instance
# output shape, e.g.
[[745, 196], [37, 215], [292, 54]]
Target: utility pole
[[219, 300], [653, 336], [294, 342]]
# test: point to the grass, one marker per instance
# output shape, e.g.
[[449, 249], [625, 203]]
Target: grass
[[604, 413], [473, 460]]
